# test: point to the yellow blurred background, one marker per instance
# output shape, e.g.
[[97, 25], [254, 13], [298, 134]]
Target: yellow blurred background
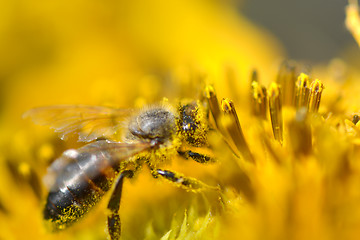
[[121, 54]]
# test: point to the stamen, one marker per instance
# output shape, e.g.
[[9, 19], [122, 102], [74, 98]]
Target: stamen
[[259, 99], [233, 128], [218, 117], [316, 89], [352, 21], [3, 208], [275, 106], [300, 133], [254, 76], [270, 149], [286, 79], [302, 91], [213, 104]]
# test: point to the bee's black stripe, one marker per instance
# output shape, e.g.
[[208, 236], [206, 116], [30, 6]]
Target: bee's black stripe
[[100, 185], [103, 180], [54, 207], [80, 184], [57, 202], [84, 175], [76, 198], [51, 211]]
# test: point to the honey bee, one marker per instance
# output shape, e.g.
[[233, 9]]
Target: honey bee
[[79, 178]]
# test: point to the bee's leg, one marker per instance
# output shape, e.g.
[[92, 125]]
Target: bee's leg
[[187, 183], [198, 157], [114, 225]]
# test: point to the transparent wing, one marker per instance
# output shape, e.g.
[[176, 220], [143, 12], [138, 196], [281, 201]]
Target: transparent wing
[[90, 160], [89, 122]]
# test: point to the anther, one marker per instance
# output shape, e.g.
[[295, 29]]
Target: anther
[[316, 89], [214, 108], [259, 99], [286, 79], [233, 128], [254, 76], [213, 103], [302, 91], [275, 106]]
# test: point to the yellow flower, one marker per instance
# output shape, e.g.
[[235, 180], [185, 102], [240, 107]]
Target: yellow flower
[[286, 151]]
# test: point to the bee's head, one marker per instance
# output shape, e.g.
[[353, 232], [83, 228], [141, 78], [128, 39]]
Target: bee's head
[[193, 124]]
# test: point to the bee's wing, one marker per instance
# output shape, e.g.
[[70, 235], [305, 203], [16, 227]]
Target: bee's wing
[[90, 159], [89, 122]]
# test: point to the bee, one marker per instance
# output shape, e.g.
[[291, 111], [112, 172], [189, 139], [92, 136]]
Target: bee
[[79, 178]]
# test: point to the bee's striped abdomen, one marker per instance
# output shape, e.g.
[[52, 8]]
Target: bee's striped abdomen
[[82, 180]]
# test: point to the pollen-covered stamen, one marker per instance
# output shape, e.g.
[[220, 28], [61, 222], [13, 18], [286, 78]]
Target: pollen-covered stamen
[[302, 91], [275, 106], [214, 108], [300, 133], [316, 89], [286, 79], [259, 99], [213, 103], [233, 129], [218, 116]]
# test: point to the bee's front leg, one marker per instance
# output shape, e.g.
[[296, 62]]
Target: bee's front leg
[[187, 183], [114, 224], [198, 157]]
